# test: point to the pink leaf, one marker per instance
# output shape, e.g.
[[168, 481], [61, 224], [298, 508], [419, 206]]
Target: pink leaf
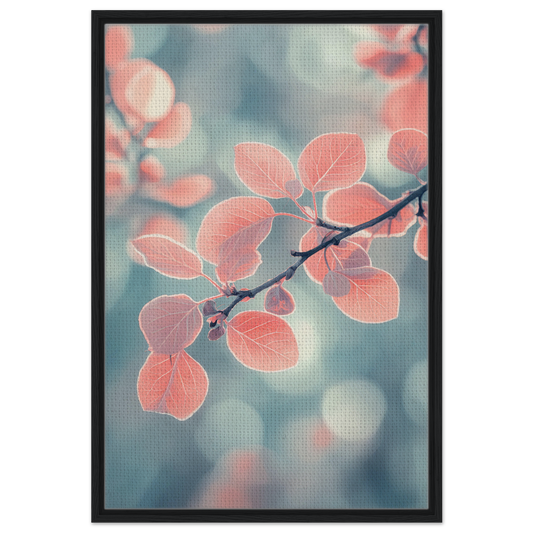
[[117, 185], [264, 169], [142, 90], [332, 161], [407, 107], [176, 388], [184, 192], [336, 284], [279, 300], [358, 258], [315, 266], [170, 323], [160, 224], [231, 232], [362, 203], [236, 263], [262, 341], [408, 151], [389, 31], [168, 257], [116, 141], [118, 45], [116, 178], [151, 169], [294, 188], [390, 65], [374, 295], [172, 130]]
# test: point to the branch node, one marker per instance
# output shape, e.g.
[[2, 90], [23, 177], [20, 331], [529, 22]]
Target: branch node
[[290, 273]]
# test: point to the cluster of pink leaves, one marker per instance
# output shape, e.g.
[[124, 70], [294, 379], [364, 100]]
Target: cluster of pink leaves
[[171, 381], [145, 96], [396, 58]]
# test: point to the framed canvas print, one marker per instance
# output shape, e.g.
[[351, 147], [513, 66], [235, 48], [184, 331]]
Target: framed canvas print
[[266, 266]]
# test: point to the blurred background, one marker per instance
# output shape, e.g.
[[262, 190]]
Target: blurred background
[[345, 428]]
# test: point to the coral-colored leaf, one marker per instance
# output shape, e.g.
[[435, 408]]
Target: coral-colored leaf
[[362, 203], [177, 388], [264, 169], [183, 192], [332, 161], [408, 151], [161, 224], [117, 185], [294, 188], [165, 225], [421, 237], [151, 169], [336, 284], [407, 107], [279, 300], [235, 263], [389, 31], [172, 130], [142, 90], [116, 141], [244, 221], [118, 45], [170, 323], [262, 341], [315, 266], [390, 65], [374, 295], [116, 177], [168, 257]]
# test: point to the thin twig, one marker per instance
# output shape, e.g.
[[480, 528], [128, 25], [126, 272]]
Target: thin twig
[[334, 241]]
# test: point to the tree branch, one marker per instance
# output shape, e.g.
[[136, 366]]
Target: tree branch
[[334, 241]]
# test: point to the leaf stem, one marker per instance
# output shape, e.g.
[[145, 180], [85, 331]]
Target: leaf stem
[[309, 221], [302, 210], [211, 298], [214, 283]]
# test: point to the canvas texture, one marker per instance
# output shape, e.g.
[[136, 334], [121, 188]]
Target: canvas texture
[[266, 266]]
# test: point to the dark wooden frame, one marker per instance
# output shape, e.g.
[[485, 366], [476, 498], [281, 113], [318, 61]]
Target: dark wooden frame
[[434, 511]]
